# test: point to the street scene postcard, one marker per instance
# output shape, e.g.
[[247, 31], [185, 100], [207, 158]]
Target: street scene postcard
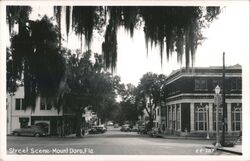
[[124, 80]]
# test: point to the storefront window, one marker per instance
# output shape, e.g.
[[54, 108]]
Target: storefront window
[[178, 117], [236, 117], [200, 118], [169, 117], [174, 116]]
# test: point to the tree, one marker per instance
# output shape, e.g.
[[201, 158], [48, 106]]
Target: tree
[[128, 109], [89, 86], [17, 15], [149, 94], [36, 61], [176, 28]]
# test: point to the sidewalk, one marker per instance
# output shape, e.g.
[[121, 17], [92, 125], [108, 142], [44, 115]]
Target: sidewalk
[[182, 137], [237, 149]]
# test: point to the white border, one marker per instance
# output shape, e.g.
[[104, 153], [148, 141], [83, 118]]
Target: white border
[[245, 94]]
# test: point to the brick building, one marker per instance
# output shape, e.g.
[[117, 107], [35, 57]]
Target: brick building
[[189, 107]]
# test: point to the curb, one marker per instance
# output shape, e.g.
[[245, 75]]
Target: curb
[[225, 150], [187, 138]]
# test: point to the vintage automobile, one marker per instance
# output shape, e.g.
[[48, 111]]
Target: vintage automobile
[[98, 129], [125, 128], [32, 130], [93, 130]]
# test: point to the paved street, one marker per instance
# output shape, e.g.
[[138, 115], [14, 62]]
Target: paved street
[[112, 142]]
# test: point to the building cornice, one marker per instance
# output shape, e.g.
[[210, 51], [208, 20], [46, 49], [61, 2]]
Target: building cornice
[[200, 96], [230, 71]]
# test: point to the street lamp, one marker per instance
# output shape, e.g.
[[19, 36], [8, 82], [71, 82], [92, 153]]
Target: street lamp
[[207, 121], [217, 99]]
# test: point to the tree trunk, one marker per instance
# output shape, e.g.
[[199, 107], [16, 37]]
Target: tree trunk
[[150, 123], [78, 124]]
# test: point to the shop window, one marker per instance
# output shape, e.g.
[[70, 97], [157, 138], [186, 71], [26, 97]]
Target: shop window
[[169, 117], [236, 117], [200, 118], [178, 119], [173, 117], [23, 122]]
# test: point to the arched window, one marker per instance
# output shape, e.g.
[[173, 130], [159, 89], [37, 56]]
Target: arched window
[[178, 119], [236, 117], [173, 117], [200, 118], [169, 117]]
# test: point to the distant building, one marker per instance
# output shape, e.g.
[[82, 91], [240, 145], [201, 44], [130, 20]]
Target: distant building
[[190, 99]]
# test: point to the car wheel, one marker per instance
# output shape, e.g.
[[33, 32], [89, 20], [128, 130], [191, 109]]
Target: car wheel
[[16, 134], [37, 135]]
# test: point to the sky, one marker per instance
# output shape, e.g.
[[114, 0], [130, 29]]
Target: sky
[[229, 34]]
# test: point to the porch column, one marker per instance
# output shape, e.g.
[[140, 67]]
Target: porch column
[[176, 117], [172, 116], [229, 118], [167, 127], [210, 117], [180, 116], [191, 117]]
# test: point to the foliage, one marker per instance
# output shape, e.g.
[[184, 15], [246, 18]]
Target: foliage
[[178, 29], [149, 93], [37, 60], [17, 15], [89, 86], [128, 110]]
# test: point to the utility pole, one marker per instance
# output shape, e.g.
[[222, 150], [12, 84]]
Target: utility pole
[[223, 102]]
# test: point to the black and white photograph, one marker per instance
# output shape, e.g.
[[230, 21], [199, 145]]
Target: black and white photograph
[[124, 80]]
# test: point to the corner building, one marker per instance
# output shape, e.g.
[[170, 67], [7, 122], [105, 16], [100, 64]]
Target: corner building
[[190, 109]]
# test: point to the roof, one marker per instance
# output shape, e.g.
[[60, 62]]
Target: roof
[[212, 70]]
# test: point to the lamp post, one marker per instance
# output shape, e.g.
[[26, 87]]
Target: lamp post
[[207, 121], [217, 99], [12, 81], [11, 91]]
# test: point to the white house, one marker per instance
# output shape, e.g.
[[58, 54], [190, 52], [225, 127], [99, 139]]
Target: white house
[[17, 117]]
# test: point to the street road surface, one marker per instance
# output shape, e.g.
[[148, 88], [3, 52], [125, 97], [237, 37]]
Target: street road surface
[[113, 142]]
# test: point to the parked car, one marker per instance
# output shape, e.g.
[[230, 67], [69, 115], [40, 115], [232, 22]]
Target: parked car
[[125, 128], [154, 132], [110, 123], [93, 130], [102, 128], [135, 129], [116, 126], [32, 130], [98, 129], [142, 129]]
